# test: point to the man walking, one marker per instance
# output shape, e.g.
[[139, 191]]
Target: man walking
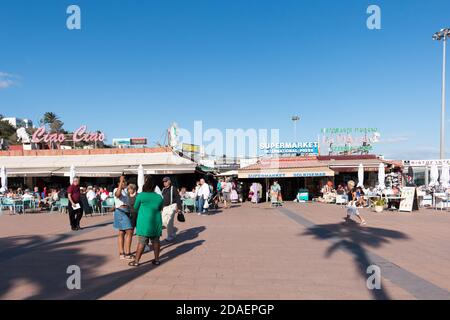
[[172, 205], [75, 210], [203, 195]]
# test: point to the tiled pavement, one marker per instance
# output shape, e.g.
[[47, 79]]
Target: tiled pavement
[[303, 251]]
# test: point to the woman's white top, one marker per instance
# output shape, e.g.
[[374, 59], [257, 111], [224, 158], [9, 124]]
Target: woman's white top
[[122, 200]]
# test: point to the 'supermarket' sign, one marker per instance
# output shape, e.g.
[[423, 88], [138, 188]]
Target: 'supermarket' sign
[[311, 148]]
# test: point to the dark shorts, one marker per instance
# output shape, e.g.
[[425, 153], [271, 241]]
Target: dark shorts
[[145, 240]]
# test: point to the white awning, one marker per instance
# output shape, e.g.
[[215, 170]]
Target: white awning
[[164, 169], [30, 172], [113, 171]]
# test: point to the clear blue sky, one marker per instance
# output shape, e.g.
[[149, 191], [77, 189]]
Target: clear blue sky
[[137, 65]]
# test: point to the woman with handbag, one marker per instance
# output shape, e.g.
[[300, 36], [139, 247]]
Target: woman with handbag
[[148, 206], [122, 220]]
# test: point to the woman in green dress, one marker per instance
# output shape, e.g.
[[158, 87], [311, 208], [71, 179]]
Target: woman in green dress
[[148, 206]]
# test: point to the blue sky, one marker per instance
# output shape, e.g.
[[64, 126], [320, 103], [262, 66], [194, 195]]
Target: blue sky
[[136, 66]]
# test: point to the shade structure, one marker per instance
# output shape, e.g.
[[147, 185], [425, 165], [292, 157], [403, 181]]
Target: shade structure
[[381, 177], [141, 178], [360, 176], [434, 175], [445, 175], [72, 173], [4, 179]]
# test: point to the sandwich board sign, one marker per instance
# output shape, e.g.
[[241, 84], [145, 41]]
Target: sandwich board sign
[[409, 201]]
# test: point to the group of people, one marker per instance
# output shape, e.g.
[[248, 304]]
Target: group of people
[[143, 214], [43, 200]]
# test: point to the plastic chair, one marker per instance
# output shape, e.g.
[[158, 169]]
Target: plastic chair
[[63, 204], [107, 204], [55, 205], [94, 205], [7, 203], [189, 202]]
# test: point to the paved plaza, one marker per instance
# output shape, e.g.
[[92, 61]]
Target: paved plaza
[[300, 251]]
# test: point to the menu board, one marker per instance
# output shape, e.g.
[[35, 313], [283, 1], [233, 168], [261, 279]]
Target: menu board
[[408, 194]]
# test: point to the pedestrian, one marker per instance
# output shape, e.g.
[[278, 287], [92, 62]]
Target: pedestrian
[[122, 220], [148, 206], [74, 207], [352, 207], [226, 192], [172, 206], [203, 195]]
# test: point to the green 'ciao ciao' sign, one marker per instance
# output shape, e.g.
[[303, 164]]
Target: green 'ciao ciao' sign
[[350, 140]]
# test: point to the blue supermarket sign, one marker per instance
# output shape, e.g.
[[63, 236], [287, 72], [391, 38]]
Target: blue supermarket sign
[[309, 148]]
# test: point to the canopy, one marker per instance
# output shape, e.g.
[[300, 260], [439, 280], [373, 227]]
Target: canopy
[[360, 176], [141, 178], [4, 179], [445, 175], [434, 175], [381, 177], [72, 174], [228, 173]]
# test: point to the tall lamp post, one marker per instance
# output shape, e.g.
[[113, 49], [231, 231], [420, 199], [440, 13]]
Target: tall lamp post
[[295, 119], [443, 35]]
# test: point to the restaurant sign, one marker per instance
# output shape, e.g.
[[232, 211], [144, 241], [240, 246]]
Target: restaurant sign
[[424, 163], [81, 134], [310, 148]]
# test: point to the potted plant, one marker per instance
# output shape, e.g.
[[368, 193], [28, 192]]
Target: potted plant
[[379, 204]]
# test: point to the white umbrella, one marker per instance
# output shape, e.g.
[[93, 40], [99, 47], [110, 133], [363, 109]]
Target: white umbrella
[[381, 177], [72, 174], [4, 179], [360, 176], [141, 178], [445, 175], [434, 174]]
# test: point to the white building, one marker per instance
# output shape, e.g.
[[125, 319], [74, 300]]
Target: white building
[[19, 123]]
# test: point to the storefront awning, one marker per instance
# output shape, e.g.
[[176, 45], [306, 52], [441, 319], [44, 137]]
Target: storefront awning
[[164, 169], [30, 172], [88, 172], [286, 173]]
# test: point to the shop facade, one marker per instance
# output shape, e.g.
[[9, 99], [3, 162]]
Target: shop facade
[[101, 167]]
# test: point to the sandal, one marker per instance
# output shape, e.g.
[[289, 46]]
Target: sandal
[[129, 256], [156, 262], [134, 264], [122, 256]]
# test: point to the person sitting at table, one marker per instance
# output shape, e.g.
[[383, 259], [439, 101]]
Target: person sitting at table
[[359, 196]]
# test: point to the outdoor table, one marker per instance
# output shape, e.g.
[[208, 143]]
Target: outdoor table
[[442, 196], [369, 199]]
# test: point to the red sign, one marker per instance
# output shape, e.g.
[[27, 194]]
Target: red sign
[[81, 134], [138, 141]]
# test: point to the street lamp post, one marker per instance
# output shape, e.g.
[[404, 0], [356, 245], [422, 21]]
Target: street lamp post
[[295, 119], [443, 35]]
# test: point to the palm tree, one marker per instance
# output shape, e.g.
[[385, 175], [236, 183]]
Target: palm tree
[[49, 118]]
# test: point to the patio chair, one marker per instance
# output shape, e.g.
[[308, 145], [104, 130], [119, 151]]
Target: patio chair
[[189, 202], [18, 206], [107, 204], [441, 201], [94, 205], [7, 204], [341, 199], [55, 205], [63, 204]]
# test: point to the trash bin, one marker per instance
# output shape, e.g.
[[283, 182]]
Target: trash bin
[[303, 195]]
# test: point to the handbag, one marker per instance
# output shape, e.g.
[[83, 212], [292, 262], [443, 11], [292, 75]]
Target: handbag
[[206, 205], [180, 217]]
